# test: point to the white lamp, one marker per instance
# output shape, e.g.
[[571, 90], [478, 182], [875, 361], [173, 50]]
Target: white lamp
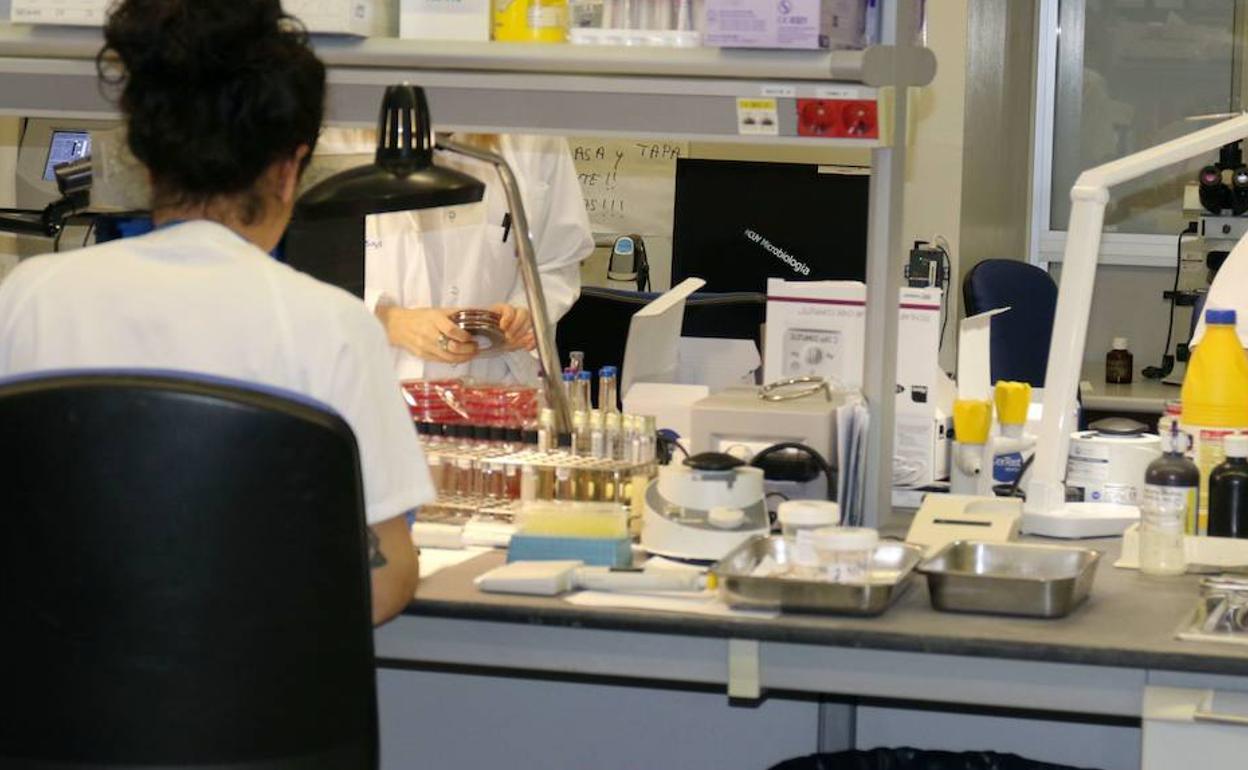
[[1046, 511]]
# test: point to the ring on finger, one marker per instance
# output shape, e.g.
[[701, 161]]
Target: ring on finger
[[444, 343]]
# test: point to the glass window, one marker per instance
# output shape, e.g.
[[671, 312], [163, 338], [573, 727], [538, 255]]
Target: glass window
[[1130, 74]]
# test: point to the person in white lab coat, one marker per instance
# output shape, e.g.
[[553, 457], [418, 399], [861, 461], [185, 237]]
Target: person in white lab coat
[[224, 138], [421, 266]]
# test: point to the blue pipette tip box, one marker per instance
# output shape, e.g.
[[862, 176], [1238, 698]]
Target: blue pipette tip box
[[597, 552]]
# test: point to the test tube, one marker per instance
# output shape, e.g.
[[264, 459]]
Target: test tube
[[528, 482], [565, 488], [584, 391], [569, 385], [611, 428], [608, 394], [580, 433], [546, 430], [597, 434], [684, 15], [649, 439]]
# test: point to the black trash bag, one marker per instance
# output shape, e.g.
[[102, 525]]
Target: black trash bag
[[915, 759]]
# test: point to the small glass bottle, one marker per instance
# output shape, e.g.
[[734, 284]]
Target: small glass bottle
[[584, 391], [1171, 485], [1228, 491], [608, 393], [1119, 363]]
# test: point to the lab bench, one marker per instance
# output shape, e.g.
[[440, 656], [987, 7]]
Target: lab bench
[[1114, 660]]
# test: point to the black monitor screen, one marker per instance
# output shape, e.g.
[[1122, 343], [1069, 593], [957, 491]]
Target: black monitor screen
[[66, 147], [739, 223]]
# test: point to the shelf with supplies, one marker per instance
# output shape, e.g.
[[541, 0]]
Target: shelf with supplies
[[814, 98], [825, 98]]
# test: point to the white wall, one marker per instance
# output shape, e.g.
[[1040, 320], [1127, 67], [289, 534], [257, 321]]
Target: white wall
[[1127, 302]]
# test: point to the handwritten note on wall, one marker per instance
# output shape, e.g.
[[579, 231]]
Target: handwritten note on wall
[[629, 185]]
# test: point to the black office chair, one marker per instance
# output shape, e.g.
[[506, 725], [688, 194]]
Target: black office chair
[[183, 579], [1020, 338]]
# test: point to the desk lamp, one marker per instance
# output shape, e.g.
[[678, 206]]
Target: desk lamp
[[404, 176], [1046, 512]]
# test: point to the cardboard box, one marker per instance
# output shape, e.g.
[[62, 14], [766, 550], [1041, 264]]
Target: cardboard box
[[819, 328]]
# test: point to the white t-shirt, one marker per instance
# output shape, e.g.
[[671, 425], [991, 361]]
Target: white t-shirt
[[196, 297]]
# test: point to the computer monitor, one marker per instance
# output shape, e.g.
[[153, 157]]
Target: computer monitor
[[65, 147], [738, 223]]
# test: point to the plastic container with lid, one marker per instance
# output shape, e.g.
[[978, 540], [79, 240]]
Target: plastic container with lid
[[796, 515], [844, 552]]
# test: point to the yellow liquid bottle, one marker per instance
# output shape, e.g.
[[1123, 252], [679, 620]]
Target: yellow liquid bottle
[[1215, 400], [531, 21]]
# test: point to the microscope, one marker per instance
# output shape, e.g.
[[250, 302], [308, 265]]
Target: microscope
[[1218, 202]]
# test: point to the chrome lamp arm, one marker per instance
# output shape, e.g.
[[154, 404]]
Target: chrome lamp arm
[[543, 329]]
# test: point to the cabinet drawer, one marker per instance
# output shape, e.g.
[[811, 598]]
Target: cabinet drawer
[[1183, 725]]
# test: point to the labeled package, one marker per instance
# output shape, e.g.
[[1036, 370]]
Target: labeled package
[[445, 19], [788, 24]]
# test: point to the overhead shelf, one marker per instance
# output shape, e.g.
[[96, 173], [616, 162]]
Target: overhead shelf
[[671, 92]]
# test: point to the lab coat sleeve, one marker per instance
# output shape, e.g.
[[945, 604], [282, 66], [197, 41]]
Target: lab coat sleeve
[[561, 235]]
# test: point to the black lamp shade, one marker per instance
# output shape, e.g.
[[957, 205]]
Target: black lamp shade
[[403, 176]]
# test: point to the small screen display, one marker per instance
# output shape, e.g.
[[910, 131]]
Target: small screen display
[[66, 147]]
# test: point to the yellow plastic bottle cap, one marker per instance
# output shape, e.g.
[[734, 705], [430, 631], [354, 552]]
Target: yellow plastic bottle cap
[[972, 420], [1013, 400]]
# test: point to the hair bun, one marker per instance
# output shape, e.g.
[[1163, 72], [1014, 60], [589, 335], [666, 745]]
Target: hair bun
[[190, 41]]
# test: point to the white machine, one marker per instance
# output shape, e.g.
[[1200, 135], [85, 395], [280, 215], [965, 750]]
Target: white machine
[[1107, 464], [703, 508]]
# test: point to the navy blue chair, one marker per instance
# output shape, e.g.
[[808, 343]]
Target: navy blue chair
[[1020, 338], [183, 579]]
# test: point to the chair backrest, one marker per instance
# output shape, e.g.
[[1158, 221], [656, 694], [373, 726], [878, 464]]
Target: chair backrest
[[1020, 338], [598, 323], [183, 579]]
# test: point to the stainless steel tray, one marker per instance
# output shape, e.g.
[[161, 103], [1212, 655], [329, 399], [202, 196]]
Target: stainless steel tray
[[1042, 581], [891, 569]]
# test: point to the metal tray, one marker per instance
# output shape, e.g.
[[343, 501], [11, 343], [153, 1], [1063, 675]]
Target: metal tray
[[891, 569], [1043, 581]]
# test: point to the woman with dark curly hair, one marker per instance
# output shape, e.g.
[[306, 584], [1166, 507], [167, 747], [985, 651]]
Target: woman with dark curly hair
[[223, 101]]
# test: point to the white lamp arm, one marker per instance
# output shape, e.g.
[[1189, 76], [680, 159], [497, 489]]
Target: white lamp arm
[[1046, 491]]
